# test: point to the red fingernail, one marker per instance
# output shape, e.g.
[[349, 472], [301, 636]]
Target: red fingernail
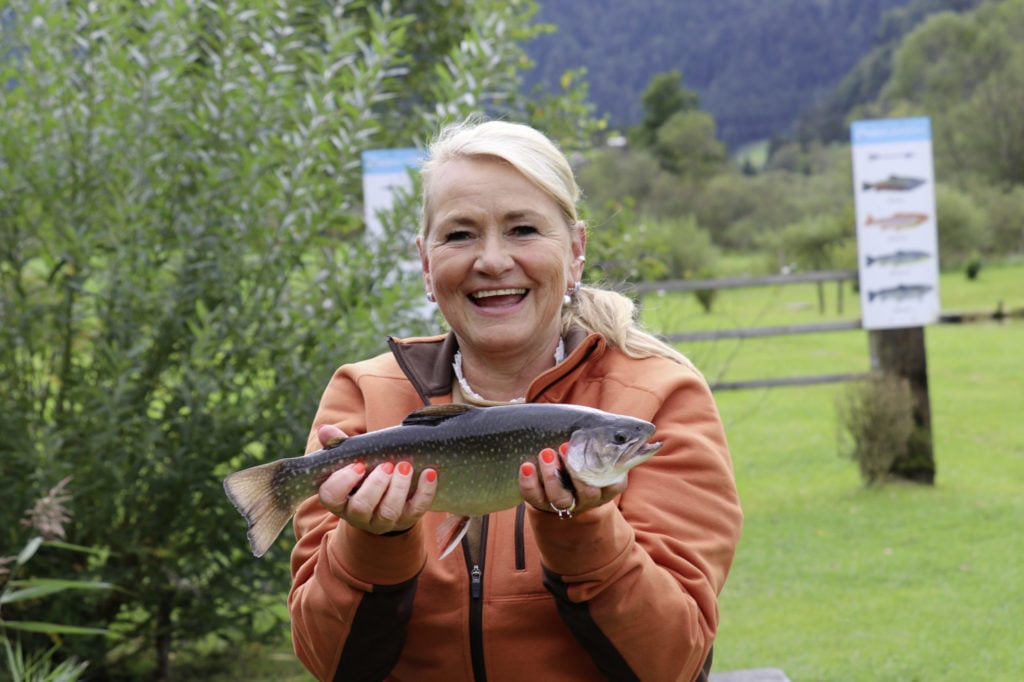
[[388, 467], [431, 475], [548, 455], [404, 468], [527, 469], [563, 448], [359, 468]]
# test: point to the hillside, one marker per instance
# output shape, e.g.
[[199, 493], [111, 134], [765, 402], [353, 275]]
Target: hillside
[[756, 65]]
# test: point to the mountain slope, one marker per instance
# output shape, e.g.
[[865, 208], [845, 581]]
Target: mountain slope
[[755, 64]]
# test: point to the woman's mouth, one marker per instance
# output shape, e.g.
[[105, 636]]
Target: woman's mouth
[[497, 298]]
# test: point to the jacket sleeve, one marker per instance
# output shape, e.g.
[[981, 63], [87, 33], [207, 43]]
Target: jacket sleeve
[[352, 591], [661, 555]]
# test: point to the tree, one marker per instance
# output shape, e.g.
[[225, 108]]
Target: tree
[[686, 146], [663, 97], [967, 71], [182, 265]]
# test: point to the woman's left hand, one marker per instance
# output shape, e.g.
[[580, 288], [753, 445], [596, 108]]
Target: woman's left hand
[[541, 486]]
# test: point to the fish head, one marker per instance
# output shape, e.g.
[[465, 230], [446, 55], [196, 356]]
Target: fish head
[[600, 455]]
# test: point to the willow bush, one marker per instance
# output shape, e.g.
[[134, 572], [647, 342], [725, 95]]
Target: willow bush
[[182, 267]]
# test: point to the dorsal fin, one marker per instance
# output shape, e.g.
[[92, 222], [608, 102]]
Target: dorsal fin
[[432, 415]]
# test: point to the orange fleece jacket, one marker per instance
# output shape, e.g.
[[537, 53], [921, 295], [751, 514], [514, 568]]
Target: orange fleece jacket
[[628, 590]]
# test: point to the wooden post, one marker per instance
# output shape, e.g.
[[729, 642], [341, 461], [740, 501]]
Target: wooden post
[[901, 352]]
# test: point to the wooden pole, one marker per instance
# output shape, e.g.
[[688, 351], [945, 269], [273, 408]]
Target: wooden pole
[[901, 352]]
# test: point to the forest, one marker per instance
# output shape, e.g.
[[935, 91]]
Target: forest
[[757, 66], [182, 261], [686, 200]]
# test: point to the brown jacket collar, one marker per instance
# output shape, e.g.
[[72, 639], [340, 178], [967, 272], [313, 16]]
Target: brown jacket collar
[[427, 362]]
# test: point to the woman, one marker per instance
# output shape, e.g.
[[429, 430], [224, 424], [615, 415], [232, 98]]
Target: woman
[[618, 583]]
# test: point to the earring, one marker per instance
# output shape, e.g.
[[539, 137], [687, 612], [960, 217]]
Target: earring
[[430, 296], [567, 299]]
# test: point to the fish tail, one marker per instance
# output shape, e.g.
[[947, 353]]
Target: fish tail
[[252, 492]]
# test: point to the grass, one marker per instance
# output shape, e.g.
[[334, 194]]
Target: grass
[[833, 580], [836, 581]]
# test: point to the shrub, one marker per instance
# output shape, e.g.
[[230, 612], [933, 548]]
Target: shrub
[[877, 421]]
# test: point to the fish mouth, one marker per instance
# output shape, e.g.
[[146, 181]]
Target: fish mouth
[[496, 298], [647, 449]]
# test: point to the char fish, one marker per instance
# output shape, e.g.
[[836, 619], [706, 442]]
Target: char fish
[[476, 452]]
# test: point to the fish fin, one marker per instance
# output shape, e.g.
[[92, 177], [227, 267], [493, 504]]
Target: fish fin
[[432, 415], [252, 492], [450, 533]]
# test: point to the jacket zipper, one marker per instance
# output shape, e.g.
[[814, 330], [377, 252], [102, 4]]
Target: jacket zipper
[[476, 602]]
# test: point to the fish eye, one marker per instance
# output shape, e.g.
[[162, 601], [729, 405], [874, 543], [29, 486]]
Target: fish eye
[[620, 438]]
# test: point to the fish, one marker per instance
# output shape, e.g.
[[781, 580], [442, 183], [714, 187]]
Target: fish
[[897, 221], [476, 451], [894, 183], [900, 293], [900, 257]]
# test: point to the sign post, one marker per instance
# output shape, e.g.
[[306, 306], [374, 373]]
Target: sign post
[[898, 262]]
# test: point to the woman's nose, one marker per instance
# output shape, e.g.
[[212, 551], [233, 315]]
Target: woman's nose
[[494, 256]]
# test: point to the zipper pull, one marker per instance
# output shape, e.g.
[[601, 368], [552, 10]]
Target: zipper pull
[[476, 581]]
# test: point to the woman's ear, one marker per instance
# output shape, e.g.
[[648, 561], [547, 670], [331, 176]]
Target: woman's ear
[[579, 249], [424, 264]]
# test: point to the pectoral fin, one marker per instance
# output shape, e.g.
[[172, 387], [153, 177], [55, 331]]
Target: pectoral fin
[[450, 533]]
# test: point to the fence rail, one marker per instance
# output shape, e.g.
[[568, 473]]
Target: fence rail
[[639, 290]]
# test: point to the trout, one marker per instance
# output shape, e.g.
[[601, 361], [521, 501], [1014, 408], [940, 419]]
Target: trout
[[476, 452]]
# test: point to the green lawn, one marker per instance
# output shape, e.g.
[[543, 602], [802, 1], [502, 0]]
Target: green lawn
[[835, 581]]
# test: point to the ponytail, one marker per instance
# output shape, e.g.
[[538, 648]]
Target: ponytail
[[612, 315]]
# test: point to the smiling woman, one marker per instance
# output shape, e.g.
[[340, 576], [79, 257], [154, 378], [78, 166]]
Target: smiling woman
[[499, 257], [577, 570]]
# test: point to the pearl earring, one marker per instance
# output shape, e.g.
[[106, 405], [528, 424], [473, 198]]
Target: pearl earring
[[567, 299], [430, 296]]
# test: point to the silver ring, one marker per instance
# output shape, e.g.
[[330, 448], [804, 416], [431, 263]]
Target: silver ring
[[564, 513]]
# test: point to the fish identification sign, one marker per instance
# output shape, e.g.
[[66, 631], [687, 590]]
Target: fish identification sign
[[897, 231]]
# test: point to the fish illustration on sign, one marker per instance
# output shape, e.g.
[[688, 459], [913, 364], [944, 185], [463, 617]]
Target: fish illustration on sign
[[894, 183], [897, 221], [900, 257], [900, 293], [476, 452]]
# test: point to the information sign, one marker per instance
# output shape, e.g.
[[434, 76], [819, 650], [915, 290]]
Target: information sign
[[897, 237]]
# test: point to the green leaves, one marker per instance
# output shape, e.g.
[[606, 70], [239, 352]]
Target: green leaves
[[182, 266]]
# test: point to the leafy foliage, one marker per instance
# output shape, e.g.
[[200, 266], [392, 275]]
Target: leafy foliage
[[970, 69], [182, 266]]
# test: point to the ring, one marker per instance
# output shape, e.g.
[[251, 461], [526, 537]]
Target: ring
[[564, 513]]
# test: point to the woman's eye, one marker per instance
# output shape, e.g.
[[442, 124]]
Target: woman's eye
[[524, 230], [457, 235]]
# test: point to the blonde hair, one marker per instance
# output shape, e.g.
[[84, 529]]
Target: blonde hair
[[535, 156]]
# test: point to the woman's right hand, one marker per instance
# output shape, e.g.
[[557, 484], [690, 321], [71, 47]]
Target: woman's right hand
[[379, 501]]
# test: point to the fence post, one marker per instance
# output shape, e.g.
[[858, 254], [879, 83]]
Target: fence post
[[901, 352]]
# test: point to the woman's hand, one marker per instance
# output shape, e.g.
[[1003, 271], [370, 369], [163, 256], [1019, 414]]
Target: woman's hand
[[379, 501], [541, 486]]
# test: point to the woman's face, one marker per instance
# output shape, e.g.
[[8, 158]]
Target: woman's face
[[498, 256]]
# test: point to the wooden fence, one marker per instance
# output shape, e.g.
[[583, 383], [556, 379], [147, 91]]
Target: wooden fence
[[821, 279]]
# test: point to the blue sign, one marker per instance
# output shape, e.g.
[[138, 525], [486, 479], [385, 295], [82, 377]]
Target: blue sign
[[891, 130]]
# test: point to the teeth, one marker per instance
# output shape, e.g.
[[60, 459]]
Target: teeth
[[498, 292]]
